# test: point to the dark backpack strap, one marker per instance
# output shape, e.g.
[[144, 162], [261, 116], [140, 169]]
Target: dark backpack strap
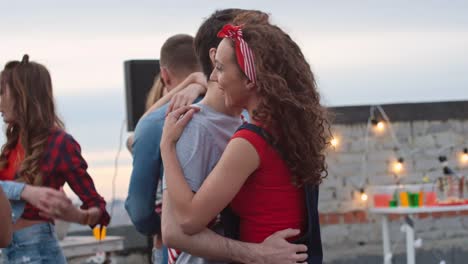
[[312, 237], [315, 251], [256, 129]]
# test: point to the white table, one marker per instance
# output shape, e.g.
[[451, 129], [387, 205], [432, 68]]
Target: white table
[[80, 246], [408, 226]]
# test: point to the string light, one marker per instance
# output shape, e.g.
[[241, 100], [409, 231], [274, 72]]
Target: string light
[[464, 156], [378, 125], [442, 159], [334, 142], [398, 166], [363, 195]]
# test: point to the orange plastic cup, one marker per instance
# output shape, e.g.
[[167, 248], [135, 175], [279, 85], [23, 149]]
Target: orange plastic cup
[[404, 201]]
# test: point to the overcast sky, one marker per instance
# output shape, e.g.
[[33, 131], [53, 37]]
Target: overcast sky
[[363, 52]]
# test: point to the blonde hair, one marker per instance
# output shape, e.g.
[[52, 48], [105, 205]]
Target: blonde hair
[[155, 93]]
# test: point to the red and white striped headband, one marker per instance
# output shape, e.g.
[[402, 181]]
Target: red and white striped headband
[[244, 55]]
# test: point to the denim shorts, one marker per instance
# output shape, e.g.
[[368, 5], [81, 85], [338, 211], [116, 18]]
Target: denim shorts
[[159, 255], [37, 244]]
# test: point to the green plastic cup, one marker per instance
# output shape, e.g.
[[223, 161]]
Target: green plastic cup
[[413, 199]]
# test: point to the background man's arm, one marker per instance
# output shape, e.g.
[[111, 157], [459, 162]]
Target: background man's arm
[[140, 202]]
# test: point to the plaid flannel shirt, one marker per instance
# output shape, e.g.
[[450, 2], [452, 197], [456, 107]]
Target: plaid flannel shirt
[[62, 162]]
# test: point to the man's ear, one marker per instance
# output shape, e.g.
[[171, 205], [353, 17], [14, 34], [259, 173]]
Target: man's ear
[[212, 53], [165, 76]]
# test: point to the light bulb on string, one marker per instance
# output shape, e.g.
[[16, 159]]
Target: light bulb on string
[[334, 142], [464, 156], [364, 196], [378, 124], [398, 166]]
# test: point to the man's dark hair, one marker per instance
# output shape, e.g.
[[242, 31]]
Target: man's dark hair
[[206, 37]]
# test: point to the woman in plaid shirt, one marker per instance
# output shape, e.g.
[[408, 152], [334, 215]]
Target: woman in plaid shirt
[[39, 152]]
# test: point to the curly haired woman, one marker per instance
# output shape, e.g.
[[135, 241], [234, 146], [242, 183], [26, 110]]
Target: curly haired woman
[[266, 167]]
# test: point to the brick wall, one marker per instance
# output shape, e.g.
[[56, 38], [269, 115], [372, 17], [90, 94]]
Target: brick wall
[[427, 130]]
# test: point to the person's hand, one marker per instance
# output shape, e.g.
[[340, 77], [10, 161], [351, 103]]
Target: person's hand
[[43, 197], [70, 213], [52, 203], [186, 97], [55, 204], [92, 216], [129, 143], [175, 124], [276, 249]]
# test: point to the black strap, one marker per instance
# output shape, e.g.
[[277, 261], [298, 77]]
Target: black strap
[[312, 237], [256, 129]]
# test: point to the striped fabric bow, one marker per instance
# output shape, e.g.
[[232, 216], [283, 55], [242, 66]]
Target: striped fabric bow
[[244, 55]]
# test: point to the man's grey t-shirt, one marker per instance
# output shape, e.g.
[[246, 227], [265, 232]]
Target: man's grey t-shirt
[[199, 149]]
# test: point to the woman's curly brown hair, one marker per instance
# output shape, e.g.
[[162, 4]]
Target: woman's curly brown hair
[[33, 103], [289, 101]]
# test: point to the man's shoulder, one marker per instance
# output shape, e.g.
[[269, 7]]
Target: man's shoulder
[[198, 126], [155, 115], [153, 120]]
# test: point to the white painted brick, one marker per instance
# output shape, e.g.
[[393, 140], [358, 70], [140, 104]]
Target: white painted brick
[[445, 139], [424, 141], [359, 145], [327, 194], [345, 193], [420, 128], [424, 225], [426, 164], [350, 205], [432, 235], [344, 170], [447, 224], [332, 181], [465, 127], [437, 127], [381, 156], [329, 206], [346, 158], [382, 180], [452, 233], [413, 178], [457, 126], [345, 166], [378, 169], [402, 131], [334, 234], [365, 233], [355, 181], [388, 144]]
